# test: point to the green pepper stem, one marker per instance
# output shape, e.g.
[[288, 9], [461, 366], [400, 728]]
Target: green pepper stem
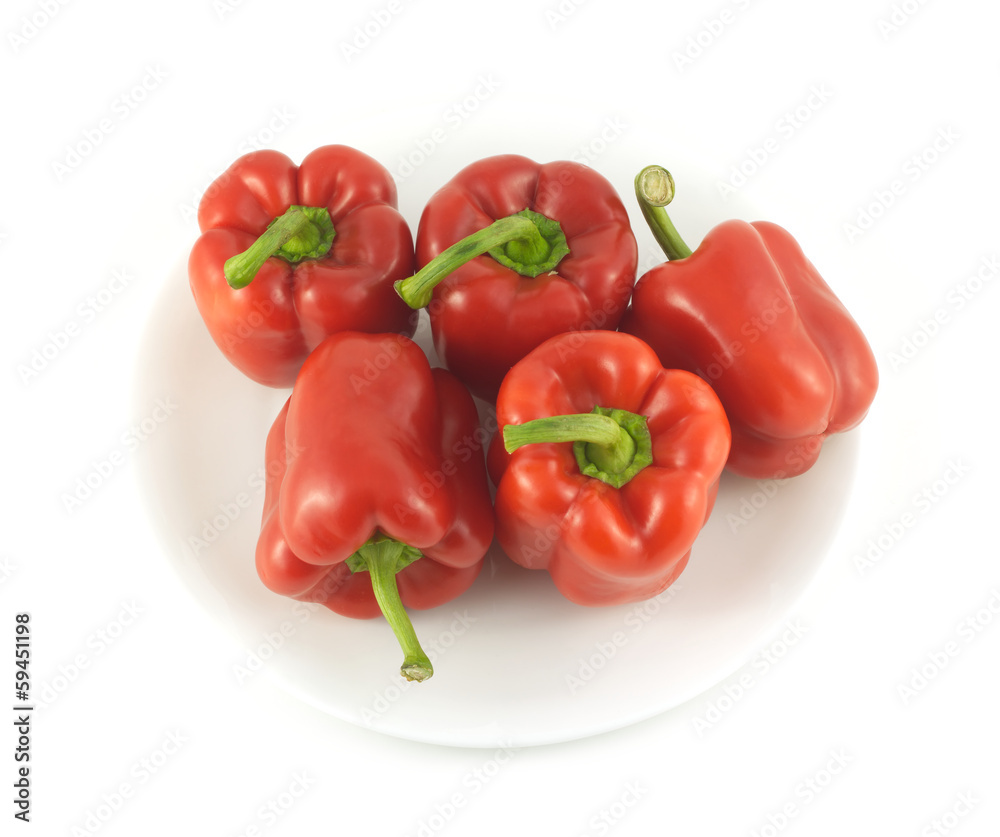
[[614, 446], [654, 189], [526, 242], [383, 557], [609, 444], [302, 232]]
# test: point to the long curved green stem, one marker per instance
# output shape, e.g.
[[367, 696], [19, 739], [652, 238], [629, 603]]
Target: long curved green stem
[[654, 189], [383, 557]]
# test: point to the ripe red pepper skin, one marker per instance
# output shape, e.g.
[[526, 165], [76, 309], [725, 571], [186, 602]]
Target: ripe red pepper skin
[[267, 328], [751, 315], [484, 316], [358, 447], [373, 441], [605, 545]]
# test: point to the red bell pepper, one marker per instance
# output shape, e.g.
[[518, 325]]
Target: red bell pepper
[[607, 466], [374, 497], [561, 257], [325, 243], [751, 315]]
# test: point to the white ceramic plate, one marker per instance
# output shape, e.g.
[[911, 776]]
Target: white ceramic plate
[[515, 663]]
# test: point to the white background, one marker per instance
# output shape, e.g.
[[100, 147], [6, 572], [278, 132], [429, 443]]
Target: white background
[[148, 729]]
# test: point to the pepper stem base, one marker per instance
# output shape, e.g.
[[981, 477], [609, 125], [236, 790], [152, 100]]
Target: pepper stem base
[[609, 444], [527, 242], [302, 232]]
